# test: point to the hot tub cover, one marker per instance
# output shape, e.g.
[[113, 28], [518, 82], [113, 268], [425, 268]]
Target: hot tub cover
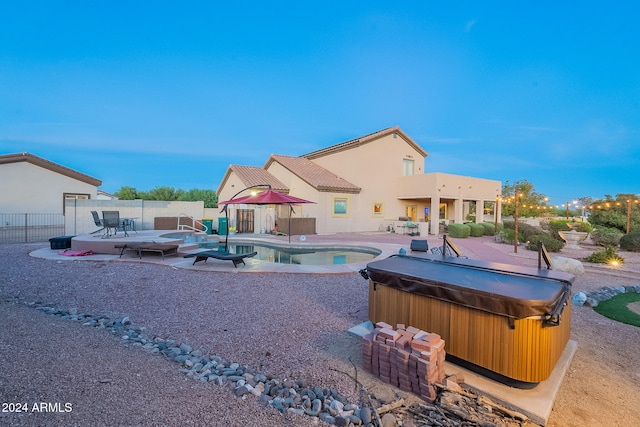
[[506, 290]]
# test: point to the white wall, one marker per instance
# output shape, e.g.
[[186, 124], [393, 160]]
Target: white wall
[[25, 187], [78, 219]]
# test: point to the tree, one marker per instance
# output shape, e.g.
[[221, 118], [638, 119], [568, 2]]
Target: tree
[[530, 202], [209, 197], [165, 193], [127, 193], [615, 212]]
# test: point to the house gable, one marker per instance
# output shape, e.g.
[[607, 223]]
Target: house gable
[[313, 174], [348, 145], [250, 176], [53, 167]]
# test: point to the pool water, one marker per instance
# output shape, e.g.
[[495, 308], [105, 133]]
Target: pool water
[[283, 254], [305, 256]]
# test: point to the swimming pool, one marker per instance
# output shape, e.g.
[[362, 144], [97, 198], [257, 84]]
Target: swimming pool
[[305, 255], [300, 255]]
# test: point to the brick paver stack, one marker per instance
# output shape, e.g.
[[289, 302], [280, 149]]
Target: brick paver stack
[[405, 357]]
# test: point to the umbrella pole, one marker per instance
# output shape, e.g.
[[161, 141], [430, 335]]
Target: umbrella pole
[[290, 212], [226, 236]]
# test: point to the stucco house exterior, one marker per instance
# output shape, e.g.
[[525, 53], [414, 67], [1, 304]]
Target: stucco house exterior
[[372, 183], [29, 183]]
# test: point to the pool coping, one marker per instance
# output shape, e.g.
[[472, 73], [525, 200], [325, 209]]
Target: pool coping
[[251, 265]]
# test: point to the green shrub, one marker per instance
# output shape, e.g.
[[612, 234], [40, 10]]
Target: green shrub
[[549, 242], [605, 256], [490, 228], [509, 225], [528, 231], [630, 242], [461, 231], [584, 227], [604, 236], [476, 229], [506, 236], [559, 225]]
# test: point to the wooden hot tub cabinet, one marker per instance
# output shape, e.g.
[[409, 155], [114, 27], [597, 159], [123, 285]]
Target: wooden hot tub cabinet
[[510, 320]]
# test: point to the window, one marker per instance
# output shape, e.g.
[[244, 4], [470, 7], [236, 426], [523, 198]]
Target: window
[[340, 206], [407, 167], [378, 209], [73, 196]]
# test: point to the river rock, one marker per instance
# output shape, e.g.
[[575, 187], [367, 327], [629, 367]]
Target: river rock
[[579, 298], [389, 420]]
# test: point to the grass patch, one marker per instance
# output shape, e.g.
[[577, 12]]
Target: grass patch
[[616, 308]]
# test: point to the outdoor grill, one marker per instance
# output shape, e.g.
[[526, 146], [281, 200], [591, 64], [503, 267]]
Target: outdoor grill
[[508, 320]]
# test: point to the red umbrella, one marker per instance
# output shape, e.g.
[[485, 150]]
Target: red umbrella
[[267, 197]]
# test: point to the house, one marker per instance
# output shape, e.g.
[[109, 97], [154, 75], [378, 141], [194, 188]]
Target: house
[[29, 183], [372, 183]]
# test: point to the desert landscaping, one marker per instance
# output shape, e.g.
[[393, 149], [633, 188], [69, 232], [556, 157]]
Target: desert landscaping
[[290, 326]]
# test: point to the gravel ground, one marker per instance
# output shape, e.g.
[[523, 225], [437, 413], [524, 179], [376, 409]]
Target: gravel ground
[[287, 325], [291, 326]]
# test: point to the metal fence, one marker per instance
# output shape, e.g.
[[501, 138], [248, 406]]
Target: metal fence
[[30, 227]]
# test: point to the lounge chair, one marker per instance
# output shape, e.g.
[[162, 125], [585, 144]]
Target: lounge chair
[[225, 256], [161, 248]]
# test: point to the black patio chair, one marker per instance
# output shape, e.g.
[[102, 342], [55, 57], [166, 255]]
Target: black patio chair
[[97, 221], [111, 221]]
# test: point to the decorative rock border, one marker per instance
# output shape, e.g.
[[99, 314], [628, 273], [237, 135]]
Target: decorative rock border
[[593, 298], [287, 396]]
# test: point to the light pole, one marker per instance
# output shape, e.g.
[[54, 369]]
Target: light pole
[[515, 218], [495, 214], [628, 214]]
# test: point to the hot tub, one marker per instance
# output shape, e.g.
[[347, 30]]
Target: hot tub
[[509, 320]]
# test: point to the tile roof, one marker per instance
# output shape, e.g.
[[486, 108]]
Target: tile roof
[[46, 164], [313, 174], [363, 140], [251, 175]]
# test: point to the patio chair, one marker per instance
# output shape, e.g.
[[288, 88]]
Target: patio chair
[[111, 221], [97, 221]]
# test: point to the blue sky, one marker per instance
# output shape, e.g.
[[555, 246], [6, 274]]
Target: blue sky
[[149, 94]]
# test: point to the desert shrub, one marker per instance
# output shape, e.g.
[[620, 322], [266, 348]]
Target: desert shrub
[[476, 230], [605, 256], [506, 236], [528, 231], [604, 236], [549, 242], [630, 242], [490, 228], [461, 231], [559, 225], [584, 227]]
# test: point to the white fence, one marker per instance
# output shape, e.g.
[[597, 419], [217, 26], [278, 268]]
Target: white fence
[[78, 218]]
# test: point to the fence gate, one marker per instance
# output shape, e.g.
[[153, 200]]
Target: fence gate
[[245, 221]]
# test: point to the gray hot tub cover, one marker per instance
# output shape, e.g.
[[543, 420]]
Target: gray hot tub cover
[[506, 290]]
